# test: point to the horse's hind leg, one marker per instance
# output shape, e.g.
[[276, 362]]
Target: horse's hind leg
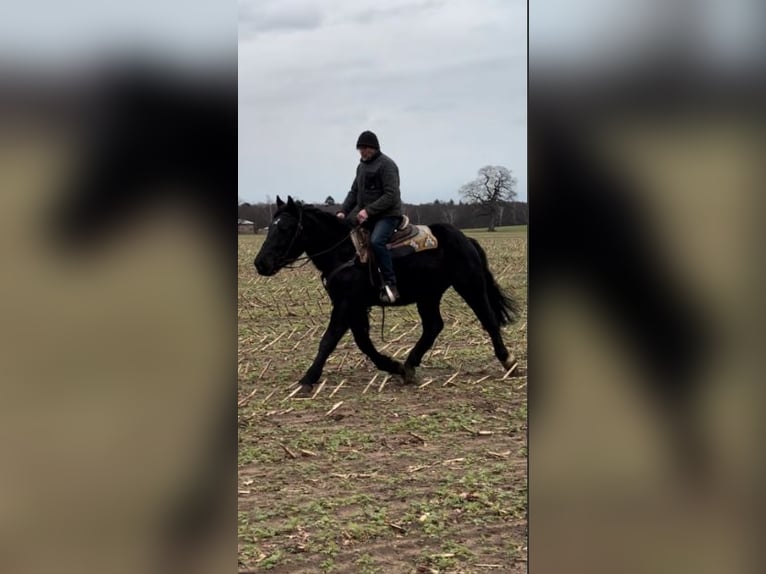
[[360, 327], [432, 326], [475, 295]]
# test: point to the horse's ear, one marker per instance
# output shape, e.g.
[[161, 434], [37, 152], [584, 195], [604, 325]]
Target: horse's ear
[[280, 203], [290, 202]]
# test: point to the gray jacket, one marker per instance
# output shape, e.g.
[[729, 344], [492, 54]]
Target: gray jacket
[[375, 188]]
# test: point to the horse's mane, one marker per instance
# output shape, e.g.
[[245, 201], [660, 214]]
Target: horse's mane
[[324, 216]]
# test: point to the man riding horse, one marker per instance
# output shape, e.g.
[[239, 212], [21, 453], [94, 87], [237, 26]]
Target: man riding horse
[[374, 200]]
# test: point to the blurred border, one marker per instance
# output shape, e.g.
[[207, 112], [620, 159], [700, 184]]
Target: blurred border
[[118, 170], [645, 139]]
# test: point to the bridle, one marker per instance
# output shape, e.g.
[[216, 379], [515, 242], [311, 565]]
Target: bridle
[[298, 231], [307, 258]]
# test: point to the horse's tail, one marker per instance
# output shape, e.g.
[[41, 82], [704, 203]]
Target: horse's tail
[[505, 308]]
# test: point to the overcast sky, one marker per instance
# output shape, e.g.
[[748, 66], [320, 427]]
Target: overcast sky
[[441, 82]]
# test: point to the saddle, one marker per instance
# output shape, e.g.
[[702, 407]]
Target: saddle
[[406, 240]]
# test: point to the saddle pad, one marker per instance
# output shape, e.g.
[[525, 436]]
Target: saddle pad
[[361, 238], [421, 241]]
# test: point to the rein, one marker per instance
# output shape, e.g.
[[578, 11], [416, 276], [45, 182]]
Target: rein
[[306, 258]]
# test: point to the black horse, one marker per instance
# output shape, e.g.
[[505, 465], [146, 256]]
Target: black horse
[[422, 278]]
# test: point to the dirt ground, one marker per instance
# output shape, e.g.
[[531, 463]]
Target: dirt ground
[[370, 475]]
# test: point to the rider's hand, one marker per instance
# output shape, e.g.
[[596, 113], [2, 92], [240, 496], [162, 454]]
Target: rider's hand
[[340, 215], [362, 216]]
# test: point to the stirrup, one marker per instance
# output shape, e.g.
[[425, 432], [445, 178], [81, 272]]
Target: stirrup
[[388, 296]]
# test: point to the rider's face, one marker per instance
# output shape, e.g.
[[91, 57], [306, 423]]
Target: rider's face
[[366, 152]]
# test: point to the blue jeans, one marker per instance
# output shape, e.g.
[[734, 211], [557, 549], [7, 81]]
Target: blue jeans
[[381, 234]]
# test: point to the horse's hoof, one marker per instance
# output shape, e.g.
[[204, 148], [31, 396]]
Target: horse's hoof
[[305, 391], [510, 364], [408, 376]]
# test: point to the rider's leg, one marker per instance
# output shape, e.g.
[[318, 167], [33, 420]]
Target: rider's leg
[[381, 235]]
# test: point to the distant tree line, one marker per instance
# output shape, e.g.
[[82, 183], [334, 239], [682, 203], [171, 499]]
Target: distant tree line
[[491, 202], [461, 215]]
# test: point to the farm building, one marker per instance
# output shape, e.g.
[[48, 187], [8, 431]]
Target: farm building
[[245, 226]]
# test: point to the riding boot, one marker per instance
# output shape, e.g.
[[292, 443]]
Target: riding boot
[[389, 294]]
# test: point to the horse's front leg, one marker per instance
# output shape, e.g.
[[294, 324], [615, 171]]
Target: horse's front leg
[[338, 326]]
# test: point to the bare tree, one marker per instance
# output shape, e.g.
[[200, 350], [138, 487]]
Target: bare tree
[[493, 185], [449, 210]]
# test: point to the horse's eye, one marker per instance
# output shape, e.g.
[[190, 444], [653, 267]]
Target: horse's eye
[[278, 224]]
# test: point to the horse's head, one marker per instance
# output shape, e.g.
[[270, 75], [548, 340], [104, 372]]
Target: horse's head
[[284, 241]]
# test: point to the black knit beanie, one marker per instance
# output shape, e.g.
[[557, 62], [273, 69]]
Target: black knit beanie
[[368, 139]]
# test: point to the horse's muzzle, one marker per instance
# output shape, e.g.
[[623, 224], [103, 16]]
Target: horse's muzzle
[[264, 268]]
